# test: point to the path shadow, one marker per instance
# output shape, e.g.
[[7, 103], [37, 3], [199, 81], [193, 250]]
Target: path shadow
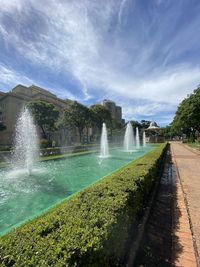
[[156, 248]]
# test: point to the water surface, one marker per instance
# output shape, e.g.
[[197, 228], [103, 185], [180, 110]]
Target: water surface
[[23, 197]]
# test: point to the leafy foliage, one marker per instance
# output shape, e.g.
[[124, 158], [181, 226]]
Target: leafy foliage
[[45, 115], [136, 124], [91, 228], [77, 115], [187, 118], [100, 114], [145, 124]]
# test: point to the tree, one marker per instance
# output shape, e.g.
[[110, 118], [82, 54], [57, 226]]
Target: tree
[[99, 115], [136, 124], [2, 126], [187, 118], [77, 115], [45, 115], [145, 124]]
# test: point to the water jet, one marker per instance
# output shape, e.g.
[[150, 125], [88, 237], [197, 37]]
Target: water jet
[[26, 143], [137, 138], [144, 139], [104, 150], [129, 138]]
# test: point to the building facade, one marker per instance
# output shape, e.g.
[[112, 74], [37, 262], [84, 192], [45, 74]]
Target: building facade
[[116, 111], [11, 104]]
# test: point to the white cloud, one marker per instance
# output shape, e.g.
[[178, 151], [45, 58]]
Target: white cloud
[[170, 86], [148, 109], [13, 5], [75, 38], [11, 77], [121, 8]]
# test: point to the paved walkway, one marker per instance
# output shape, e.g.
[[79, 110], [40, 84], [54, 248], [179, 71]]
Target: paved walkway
[[187, 163], [156, 246]]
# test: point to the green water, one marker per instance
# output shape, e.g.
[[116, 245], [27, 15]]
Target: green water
[[23, 197]]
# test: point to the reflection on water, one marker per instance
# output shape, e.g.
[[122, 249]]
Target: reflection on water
[[24, 196]]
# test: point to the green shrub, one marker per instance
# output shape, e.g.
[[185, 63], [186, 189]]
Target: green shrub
[[89, 229]]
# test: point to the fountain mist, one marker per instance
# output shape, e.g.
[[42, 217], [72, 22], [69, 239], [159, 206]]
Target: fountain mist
[[104, 152], [26, 148], [137, 138], [129, 138], [144, 138]]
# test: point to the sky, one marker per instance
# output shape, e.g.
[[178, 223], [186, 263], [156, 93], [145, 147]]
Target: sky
[[142, 54]]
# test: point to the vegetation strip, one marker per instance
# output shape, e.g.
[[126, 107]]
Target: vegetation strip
[[92, 227]]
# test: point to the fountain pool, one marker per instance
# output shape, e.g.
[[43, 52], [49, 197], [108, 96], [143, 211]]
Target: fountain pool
[[24, 196]]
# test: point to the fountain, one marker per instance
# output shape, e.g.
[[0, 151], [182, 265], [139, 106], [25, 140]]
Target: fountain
[[144, 139], [24, 196], [104, 151], [26, 147], [129, 138], [137, 138]]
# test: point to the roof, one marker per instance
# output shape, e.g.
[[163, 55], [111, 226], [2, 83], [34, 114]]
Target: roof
[[153, 126]]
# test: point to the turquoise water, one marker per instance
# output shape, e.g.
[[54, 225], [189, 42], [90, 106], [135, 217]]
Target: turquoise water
[[23, 197]]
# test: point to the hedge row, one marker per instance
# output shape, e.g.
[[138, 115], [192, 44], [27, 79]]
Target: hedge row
[[89, 229]]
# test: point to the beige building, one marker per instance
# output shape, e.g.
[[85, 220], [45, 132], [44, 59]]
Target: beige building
[[116, 111], [11, 104]]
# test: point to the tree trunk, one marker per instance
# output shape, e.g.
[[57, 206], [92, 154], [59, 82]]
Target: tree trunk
[[80, 134], [87, 135], [43, 133]]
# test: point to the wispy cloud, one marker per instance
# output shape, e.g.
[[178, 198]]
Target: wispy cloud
[[121, 9], [11, 77], [152, 57]]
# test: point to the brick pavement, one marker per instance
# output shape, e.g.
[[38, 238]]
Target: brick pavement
[[187, 202]]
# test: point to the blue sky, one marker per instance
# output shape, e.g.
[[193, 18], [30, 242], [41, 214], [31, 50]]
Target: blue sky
[[142, 54]]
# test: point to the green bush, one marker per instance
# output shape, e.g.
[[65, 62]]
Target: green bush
[[89, 229]]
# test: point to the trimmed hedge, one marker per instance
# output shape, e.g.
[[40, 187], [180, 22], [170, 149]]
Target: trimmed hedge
[[89, 229]]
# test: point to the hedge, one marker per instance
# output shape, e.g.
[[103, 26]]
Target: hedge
[[89, 229]]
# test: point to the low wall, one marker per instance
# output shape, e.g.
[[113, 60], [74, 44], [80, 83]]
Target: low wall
[[91, 228], [5, 156]]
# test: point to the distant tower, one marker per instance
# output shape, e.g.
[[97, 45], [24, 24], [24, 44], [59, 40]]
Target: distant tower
[[116, 111]]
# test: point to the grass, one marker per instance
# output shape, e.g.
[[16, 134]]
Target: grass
[[195, 145]]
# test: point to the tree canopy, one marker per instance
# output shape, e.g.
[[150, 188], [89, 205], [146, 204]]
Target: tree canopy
[[100, 114], [187, 118], [45, 115], [78, 116], [145, 124]]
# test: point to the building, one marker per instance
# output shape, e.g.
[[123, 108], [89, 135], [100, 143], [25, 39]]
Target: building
[[153, 133], [11, 104], [116, 111]]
